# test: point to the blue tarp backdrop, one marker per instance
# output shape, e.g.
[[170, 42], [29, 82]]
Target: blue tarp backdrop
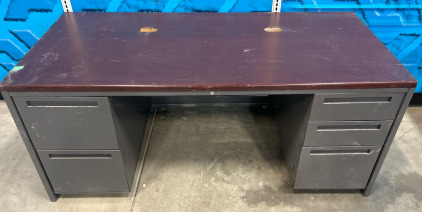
[[397, 23]]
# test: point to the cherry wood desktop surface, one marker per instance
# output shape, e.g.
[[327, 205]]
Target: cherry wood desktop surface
[[85, 52]]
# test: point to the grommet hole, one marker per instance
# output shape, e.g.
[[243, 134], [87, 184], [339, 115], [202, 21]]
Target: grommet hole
[[272, 29], [148, 29]]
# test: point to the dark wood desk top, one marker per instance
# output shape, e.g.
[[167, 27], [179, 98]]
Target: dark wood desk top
[[207, 52]]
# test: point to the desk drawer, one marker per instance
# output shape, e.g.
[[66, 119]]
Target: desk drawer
[[335, 167], [68, 122], [84, 171], [359, 106], [346, 133]]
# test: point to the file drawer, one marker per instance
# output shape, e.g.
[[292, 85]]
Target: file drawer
[[84, 171], [358, 106], [347, 133], [68, 122], [335, 167]]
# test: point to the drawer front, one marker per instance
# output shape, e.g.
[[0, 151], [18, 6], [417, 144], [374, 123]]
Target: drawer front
[[347, 133], [361, 106], [68, 122], [84, 171], [335, 167]]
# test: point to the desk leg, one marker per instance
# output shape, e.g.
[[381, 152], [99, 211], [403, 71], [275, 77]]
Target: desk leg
[[31, 150], [390, 138]]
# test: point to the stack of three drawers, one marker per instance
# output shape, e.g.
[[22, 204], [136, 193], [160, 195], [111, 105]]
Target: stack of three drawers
[[342, 139]]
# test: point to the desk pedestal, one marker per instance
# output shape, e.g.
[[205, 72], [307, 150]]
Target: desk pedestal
[[89, 142]]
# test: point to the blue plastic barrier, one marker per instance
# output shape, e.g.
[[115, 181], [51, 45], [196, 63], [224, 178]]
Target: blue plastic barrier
[[398, 24], [22, 23]]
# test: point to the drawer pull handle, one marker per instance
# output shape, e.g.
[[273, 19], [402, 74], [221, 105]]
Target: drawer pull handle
[[349, 127], [62, 103], [79, 156], [357, 100], [342, 152]]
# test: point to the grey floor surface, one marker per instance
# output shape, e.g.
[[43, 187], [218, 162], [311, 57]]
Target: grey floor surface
[[217, 159]]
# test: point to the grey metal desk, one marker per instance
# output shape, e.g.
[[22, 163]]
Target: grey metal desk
[[81, 96]]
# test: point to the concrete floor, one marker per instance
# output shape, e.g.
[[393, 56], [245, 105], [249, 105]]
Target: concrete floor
[[217, 159]]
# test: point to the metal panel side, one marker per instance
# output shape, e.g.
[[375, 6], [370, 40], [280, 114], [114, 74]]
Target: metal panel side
[[388, 142], [292, 116], [30, 147], [130, 117]]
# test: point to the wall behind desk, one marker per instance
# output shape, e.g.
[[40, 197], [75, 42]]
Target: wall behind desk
[[397, 23]]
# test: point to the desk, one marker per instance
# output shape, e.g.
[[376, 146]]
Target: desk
[[81, 95]]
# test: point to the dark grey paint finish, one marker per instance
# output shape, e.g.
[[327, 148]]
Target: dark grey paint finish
[[124, 117], [388, 141], [335, 167], [30, 147], [130, 119], [356, 106], [353, 108], [90, 171], [292, 115], [86, 124], [68, 122], [295, 110], [346, 133], [210, 100]]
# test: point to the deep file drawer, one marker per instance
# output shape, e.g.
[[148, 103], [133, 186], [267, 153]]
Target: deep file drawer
[[346, 133], [335, 167], [84, 171], [356, 106], [68, 122]]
